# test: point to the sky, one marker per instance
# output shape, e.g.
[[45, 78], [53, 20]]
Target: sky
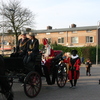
[[63, 13]]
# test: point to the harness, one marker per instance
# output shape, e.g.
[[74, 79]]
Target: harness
[[23, 44], [31, 46]]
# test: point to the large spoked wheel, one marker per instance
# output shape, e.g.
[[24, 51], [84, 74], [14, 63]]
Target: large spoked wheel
[[32, 84], [61, 75]]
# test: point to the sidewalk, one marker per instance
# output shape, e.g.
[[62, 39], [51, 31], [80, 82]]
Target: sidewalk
[[93, 65]]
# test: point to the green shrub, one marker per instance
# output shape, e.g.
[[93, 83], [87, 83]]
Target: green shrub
[[85, 52]]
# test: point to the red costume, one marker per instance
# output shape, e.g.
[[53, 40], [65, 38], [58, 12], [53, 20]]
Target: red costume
[[67, 60], [73, 74], [49, 55], [74, 67], [48, 61]]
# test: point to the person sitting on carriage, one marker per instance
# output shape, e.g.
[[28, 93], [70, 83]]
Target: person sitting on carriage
[[49, 53], [32, 48], [47, 58], [20, 49]]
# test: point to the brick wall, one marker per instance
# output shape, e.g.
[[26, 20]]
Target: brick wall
[[67, 37]]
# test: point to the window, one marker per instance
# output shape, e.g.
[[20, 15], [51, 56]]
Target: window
[[47, 33], [61, 32], [49, 40], [61, 40], [74, 31], [74, 39], [89, 39], [88, 30]]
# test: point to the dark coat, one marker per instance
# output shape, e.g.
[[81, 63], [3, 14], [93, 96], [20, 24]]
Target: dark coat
[[22, 45], [74, 68], [34, 47]]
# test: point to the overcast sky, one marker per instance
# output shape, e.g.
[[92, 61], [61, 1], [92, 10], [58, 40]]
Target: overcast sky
[[63, 13]]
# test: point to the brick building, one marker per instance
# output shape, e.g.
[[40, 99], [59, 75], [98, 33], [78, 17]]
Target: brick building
[[7, 41], [71, 37]]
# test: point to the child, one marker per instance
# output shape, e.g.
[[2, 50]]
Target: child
[[88, 64], [67, 57]]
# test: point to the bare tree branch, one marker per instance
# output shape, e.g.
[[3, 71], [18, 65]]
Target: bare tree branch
[[15, 16]]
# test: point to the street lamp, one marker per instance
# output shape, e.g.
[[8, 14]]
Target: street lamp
[[98, 26]]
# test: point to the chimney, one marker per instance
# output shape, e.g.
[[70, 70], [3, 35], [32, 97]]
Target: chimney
[[73, 25], [49, 27], [10, 31], [28, 29]]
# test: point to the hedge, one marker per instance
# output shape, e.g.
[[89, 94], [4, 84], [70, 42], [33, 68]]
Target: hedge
[[83, 52]]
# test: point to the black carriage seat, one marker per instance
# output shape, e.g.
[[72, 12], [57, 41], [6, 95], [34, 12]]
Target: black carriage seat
[[38, 57], [38, 64], [14, 63], [35, 65]]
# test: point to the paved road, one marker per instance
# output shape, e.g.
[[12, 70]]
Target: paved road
[[88, 88]]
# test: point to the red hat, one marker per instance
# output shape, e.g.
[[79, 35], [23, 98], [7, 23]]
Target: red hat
[[45, 41]]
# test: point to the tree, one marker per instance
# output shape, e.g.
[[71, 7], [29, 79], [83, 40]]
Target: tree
[[15, 16]]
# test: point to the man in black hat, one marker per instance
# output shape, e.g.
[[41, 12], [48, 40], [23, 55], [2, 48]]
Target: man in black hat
[[21, 47], [74, 68], [32, 48]]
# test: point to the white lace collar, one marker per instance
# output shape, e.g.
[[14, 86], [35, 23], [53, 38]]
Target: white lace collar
[[74, 57]]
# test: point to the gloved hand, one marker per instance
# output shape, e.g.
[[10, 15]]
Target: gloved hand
[[72, 68]]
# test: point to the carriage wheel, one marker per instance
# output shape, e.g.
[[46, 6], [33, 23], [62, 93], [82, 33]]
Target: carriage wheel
[[32, 84], [61, 76]]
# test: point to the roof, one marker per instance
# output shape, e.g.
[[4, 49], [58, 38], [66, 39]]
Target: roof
[[66, 29]]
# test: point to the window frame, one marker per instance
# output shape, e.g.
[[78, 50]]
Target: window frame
[[74, 31], [88, 31], [73, 41], [89, 40], [61, 39], [49, 40], [48, 33]]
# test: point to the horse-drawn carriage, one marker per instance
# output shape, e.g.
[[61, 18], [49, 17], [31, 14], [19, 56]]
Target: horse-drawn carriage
[[33, 72]]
